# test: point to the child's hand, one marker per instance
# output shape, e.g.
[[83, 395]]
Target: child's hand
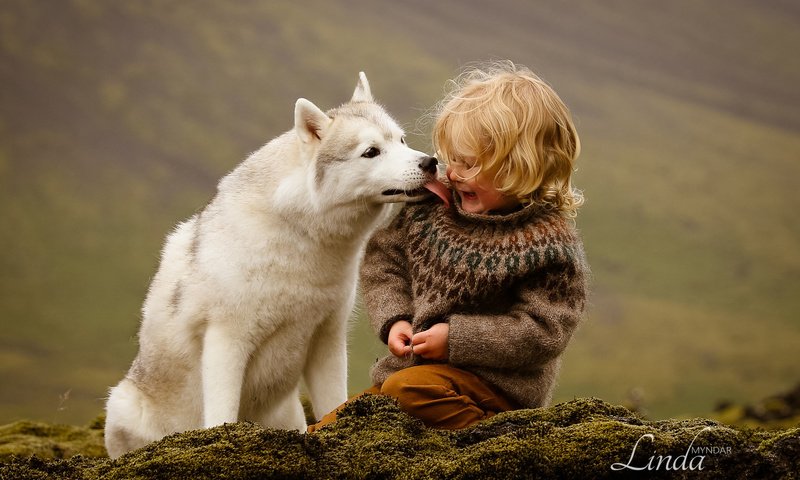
[[400, 338], [432, 343]]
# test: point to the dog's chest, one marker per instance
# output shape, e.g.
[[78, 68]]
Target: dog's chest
[[282, 285], [267, 275]]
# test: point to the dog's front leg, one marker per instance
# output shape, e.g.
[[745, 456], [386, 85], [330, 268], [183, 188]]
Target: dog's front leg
[[223, 367], [326, 366]]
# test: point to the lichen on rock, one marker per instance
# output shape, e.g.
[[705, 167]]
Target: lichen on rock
[[583, 438]]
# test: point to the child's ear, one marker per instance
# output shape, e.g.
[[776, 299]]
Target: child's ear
[[310, 122]]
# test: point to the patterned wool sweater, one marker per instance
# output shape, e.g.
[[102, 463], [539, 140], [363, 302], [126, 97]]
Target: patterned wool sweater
[[512, 287]]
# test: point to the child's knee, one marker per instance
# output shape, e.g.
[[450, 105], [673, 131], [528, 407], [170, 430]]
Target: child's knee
[[395, 386], [414, 385]]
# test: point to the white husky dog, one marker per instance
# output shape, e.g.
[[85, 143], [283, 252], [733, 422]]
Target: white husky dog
[[253, 293]]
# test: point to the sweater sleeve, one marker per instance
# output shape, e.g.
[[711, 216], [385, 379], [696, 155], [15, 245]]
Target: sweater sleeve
[[533, 331], [385, 281]]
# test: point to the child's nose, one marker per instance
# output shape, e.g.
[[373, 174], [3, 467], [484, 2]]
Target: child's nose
[[449, 172], [455, 173]]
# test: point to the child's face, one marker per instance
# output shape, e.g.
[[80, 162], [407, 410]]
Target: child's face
[[478, 194]]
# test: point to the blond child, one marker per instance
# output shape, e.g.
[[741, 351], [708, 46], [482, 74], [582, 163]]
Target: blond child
[[478, 299]]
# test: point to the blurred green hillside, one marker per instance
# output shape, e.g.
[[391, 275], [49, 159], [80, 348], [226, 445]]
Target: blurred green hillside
[[118, 118]]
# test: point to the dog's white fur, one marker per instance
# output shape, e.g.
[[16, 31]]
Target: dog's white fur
[[253, 293]]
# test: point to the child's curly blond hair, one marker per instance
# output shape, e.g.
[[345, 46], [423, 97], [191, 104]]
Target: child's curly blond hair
[[517, 128]]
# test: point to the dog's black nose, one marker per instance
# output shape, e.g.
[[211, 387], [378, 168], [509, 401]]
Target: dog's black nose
[[428, 164]]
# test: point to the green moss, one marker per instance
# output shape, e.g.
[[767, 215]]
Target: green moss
[[582, 438], [776, 412], [47, 441]]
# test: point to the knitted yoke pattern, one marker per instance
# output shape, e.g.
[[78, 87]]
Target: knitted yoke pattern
[[512, 287]]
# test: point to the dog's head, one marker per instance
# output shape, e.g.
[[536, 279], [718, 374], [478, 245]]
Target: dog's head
[[359, 153]]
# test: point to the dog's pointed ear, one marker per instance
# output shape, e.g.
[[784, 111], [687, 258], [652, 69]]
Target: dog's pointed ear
[[310, 122], [362, 92]]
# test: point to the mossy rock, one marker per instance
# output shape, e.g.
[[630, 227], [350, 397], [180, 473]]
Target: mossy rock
[[776, 412], [48, 441], [374, 439]]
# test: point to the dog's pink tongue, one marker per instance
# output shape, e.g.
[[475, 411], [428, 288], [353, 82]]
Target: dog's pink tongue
[[440, 190]]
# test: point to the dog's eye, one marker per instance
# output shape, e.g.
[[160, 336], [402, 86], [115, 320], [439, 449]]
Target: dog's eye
[[371, 152], [403, 139]]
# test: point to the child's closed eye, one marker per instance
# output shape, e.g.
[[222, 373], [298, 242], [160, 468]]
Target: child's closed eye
[[464, 168], [463, 162]]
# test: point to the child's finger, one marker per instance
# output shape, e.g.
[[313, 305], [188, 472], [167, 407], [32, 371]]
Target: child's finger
[[400, 346], [396, 346], [420, 346]]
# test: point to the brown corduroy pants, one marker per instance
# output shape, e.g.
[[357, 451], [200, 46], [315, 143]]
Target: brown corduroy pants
[[440, 395]]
